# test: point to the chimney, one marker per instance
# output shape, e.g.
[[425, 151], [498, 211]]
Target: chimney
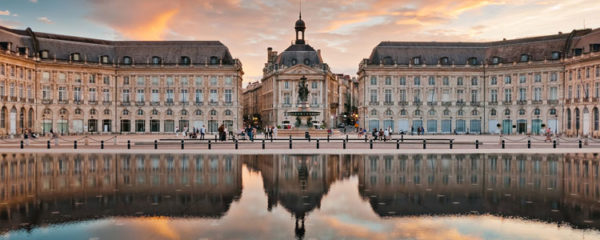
[[269, 53], [319, 54]]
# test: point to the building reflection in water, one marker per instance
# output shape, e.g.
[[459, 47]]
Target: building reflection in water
[[37, 190]]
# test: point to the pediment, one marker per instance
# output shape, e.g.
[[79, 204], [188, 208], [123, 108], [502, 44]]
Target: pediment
[[301, 69]]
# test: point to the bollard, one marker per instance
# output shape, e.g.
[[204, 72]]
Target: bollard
[[402, 137], [397, 144], [209, 145], [424, 144], [317, 143], [554, 143], [216, 138], [48, 144], [346, 137], [290, 142], [451, 143], [503, 144], [528, 143], [102, 144], [236, 144], [476, 144], [344, 144], [128, 144], [365, 137], [371, 144], [271, 137], [327, 137], [580, 145], [181, 143], [263, 144], [155, 144], [21, 144], [308, 138]]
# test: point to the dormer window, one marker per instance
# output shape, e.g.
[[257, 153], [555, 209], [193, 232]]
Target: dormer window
[[495, 60], [127, 60], [417, 60], [294, 61], [23, 51], [307, 62], [524, 58], [156, 60], [76, 57], [473, 61], [595, 47], [214, 60], [44, 54], [578, 51], [104, 59], [5, 45], [555, 55], [445, 61], [185, 60], [388, 60]]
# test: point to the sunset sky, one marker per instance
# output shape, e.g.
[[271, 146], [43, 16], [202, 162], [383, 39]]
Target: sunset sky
[[345, 30]]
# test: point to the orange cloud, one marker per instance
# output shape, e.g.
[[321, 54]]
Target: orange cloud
[[153, 30]]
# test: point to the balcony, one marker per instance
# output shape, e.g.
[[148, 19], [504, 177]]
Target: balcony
[[93, 102], [198, 103], [417, 103], [13, 99], [446, 104], [537, 102], [63, 101], [493, 103], [169, 102], [460, 103], [433, 103], [507, 103], [140, 103], [154, 103], [522, 102], [213, 103], [388, 103], [403, 103], [185, 103], [46, 101], [555, 101], [373, 103], [106, 103], [126, 103], [475, 104], [567, 101], [77, 102], [228, 104]]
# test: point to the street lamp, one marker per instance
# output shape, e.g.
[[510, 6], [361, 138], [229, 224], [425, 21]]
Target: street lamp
[[62, 124]]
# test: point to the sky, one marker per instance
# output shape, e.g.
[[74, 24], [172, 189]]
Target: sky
[[345, 30]]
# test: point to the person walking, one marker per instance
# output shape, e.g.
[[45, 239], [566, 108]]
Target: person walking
[[202, 131], [386, 135]]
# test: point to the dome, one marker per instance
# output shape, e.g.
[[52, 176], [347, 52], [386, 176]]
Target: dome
[[300, 25]]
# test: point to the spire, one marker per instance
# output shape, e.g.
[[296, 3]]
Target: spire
[[300, 10], [300, 27]]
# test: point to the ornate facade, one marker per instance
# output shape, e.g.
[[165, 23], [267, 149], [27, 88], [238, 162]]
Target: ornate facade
[[79, 85], [509, 87]]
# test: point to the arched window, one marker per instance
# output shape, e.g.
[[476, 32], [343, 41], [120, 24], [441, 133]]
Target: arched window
[[577, 120], [536, 111], [140, 112], [446, 112], [169, 112], [213, 112], [474, 112], [431, 112], [493, 112], [77, 111], [185, 60], [227, 112], [125, 112], [417, 112], [106, 111], [403, 112], [47, 111], [184, 112], [524, 57], [460, 112], [307, 62], [553, 111], [445, 61], [92, 111], [373, 112], [62, 111], [569, 118], [507, 112], [127, 60], [198, 112], [294, 61], [389, 112], [521, 111], [154, 112]]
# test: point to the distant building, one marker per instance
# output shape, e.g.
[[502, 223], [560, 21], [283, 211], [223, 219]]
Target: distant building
[[80, 85], [509, 87]]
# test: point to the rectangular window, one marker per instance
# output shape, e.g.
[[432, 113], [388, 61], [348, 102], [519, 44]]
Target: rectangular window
[[553, 77], [538, 77], [106, 95], [62, 77], [474, 96], [170, 95], [62, 93], [507, 95], [155, 81], [213, 96], [183, 96], [522, 79], [155, 95], [570, 92], [92, 79], [494, 81], [417, 95], [183, 81], [139, 96], [388, 95], [106, 80], [126, 80], [402, 81], [431, 96], [417, 81], [140, 81], [507, 80], [92, 95], [286, 98], [286, 85], [45, 76], [474, 81], [373, 80], [494, 95], [522, 94], [537, 94], [446, 81], [315, 85], [77, 78], [403, 95], [597, 90], [199, 96], [315, 98], [388, 81], [77, 94], [445, 95], [373, 95], [213, 81], [170, 81], [198, 81], [46, 93], [125, 95], [228, 81], [431, 81], [228, 95], [460, 96], [553, 93]]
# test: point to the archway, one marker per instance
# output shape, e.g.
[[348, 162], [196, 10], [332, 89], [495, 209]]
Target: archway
[[586, 121], [22, 112], [13, 121]]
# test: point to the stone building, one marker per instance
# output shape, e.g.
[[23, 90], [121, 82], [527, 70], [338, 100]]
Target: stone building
[[281, 76], [252, 102], [509, 86], [80, 85]]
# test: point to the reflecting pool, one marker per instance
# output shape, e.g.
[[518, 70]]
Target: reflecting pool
[[186, 196]]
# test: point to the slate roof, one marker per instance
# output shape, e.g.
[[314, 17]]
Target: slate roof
[[62, 46], [299, 52]]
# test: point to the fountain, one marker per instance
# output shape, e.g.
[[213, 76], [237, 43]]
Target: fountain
[[303, 115]]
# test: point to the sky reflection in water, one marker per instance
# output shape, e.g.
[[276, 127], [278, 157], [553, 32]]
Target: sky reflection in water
[[335, 196]]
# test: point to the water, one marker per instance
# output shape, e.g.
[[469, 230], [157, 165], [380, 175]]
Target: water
[[164, 196]]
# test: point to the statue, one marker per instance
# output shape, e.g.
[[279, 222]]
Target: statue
[[303, 90]]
